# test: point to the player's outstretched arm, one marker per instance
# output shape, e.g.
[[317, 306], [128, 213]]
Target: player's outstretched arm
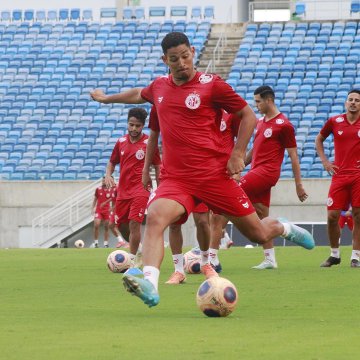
[[132, 96]]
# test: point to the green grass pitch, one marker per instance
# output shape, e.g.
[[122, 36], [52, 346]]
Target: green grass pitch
[[65, 304]]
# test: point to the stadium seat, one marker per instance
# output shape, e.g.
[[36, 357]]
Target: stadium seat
[[5, 15], [354, 7], [87, 14], [139, 12], [29, 14], [128, 12], [196, 12], [75, 14], [157, 11], [176, 11], [108, 13], [300, 8], [17, 15]]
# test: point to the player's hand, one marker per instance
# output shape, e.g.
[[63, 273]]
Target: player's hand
[[330, 167], [146, 180], [235, 165], [109, 181], [301, 193], [98, 95]]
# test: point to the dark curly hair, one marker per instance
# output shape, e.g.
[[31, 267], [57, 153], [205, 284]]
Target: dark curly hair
[[138, 113]]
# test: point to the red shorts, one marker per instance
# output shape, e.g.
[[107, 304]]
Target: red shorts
[[130, 209], [257, 188], [102, 214], [201, 208], [346, 220], [222, 195], [344, 190]]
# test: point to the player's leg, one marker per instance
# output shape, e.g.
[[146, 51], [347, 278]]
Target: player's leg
[[97, 223], [269, 261], [106, 233], [355, 256], [176, 243], [217, 224], [161, 213], [334, 233], [355, 202], [202, 224]]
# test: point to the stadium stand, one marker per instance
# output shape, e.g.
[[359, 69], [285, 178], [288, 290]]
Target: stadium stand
[[311, 66], [50, 129]]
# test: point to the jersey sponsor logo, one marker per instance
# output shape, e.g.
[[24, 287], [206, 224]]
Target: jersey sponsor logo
[[339, 119], [205, 78], [268, 132], [279, 121], [340, 132], [140, 154], [223, 125], [122, 139], [160, 99], [193, 101], [329, 201]]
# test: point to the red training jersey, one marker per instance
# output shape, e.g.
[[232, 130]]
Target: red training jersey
[[229, 127], [102, 195], [272, 137], [346, 143], [131, 157], [189, 118]]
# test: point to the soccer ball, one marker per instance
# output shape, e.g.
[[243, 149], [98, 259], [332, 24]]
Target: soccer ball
[[217, 297], [192, 261], [118, 261], [79, 244]]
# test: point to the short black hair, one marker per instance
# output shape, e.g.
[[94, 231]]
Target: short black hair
[[265, 92], [354, 91], [138, 113], [174, 39]]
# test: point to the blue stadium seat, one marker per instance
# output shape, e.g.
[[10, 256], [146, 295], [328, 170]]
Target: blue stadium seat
[[196, 12], [75, 14], [29, 14], [17, 15], [87, 14]]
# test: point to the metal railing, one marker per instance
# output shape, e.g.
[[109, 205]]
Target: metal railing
[[64, 218], [220, 46]]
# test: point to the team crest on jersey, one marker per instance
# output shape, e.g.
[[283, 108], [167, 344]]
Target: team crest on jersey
[[193, 101], [329, 201], [205, 78], [122, 152], [245, 205], [340, 132], [140, 154], [339, 119], [223, 125], [160, 99], [268, 132], [107, 195], [122, 139], [279, 121]]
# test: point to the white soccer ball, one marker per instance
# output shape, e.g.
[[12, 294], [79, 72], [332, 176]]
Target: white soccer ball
[[217, 297], [192, 261], [118, 261], [79, 244]]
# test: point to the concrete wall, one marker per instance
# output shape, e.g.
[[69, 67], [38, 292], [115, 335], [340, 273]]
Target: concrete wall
[[21, 201]]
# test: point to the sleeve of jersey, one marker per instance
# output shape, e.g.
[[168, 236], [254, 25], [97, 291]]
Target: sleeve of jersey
[[147, 93], [115, 155], [327, 129], [154, 120], [288, 136], [224, 97]]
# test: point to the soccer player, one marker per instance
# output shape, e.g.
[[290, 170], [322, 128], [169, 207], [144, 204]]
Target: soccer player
[[129, 151], [345, 172], [274, 134], [101, 209], [195, 167]]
